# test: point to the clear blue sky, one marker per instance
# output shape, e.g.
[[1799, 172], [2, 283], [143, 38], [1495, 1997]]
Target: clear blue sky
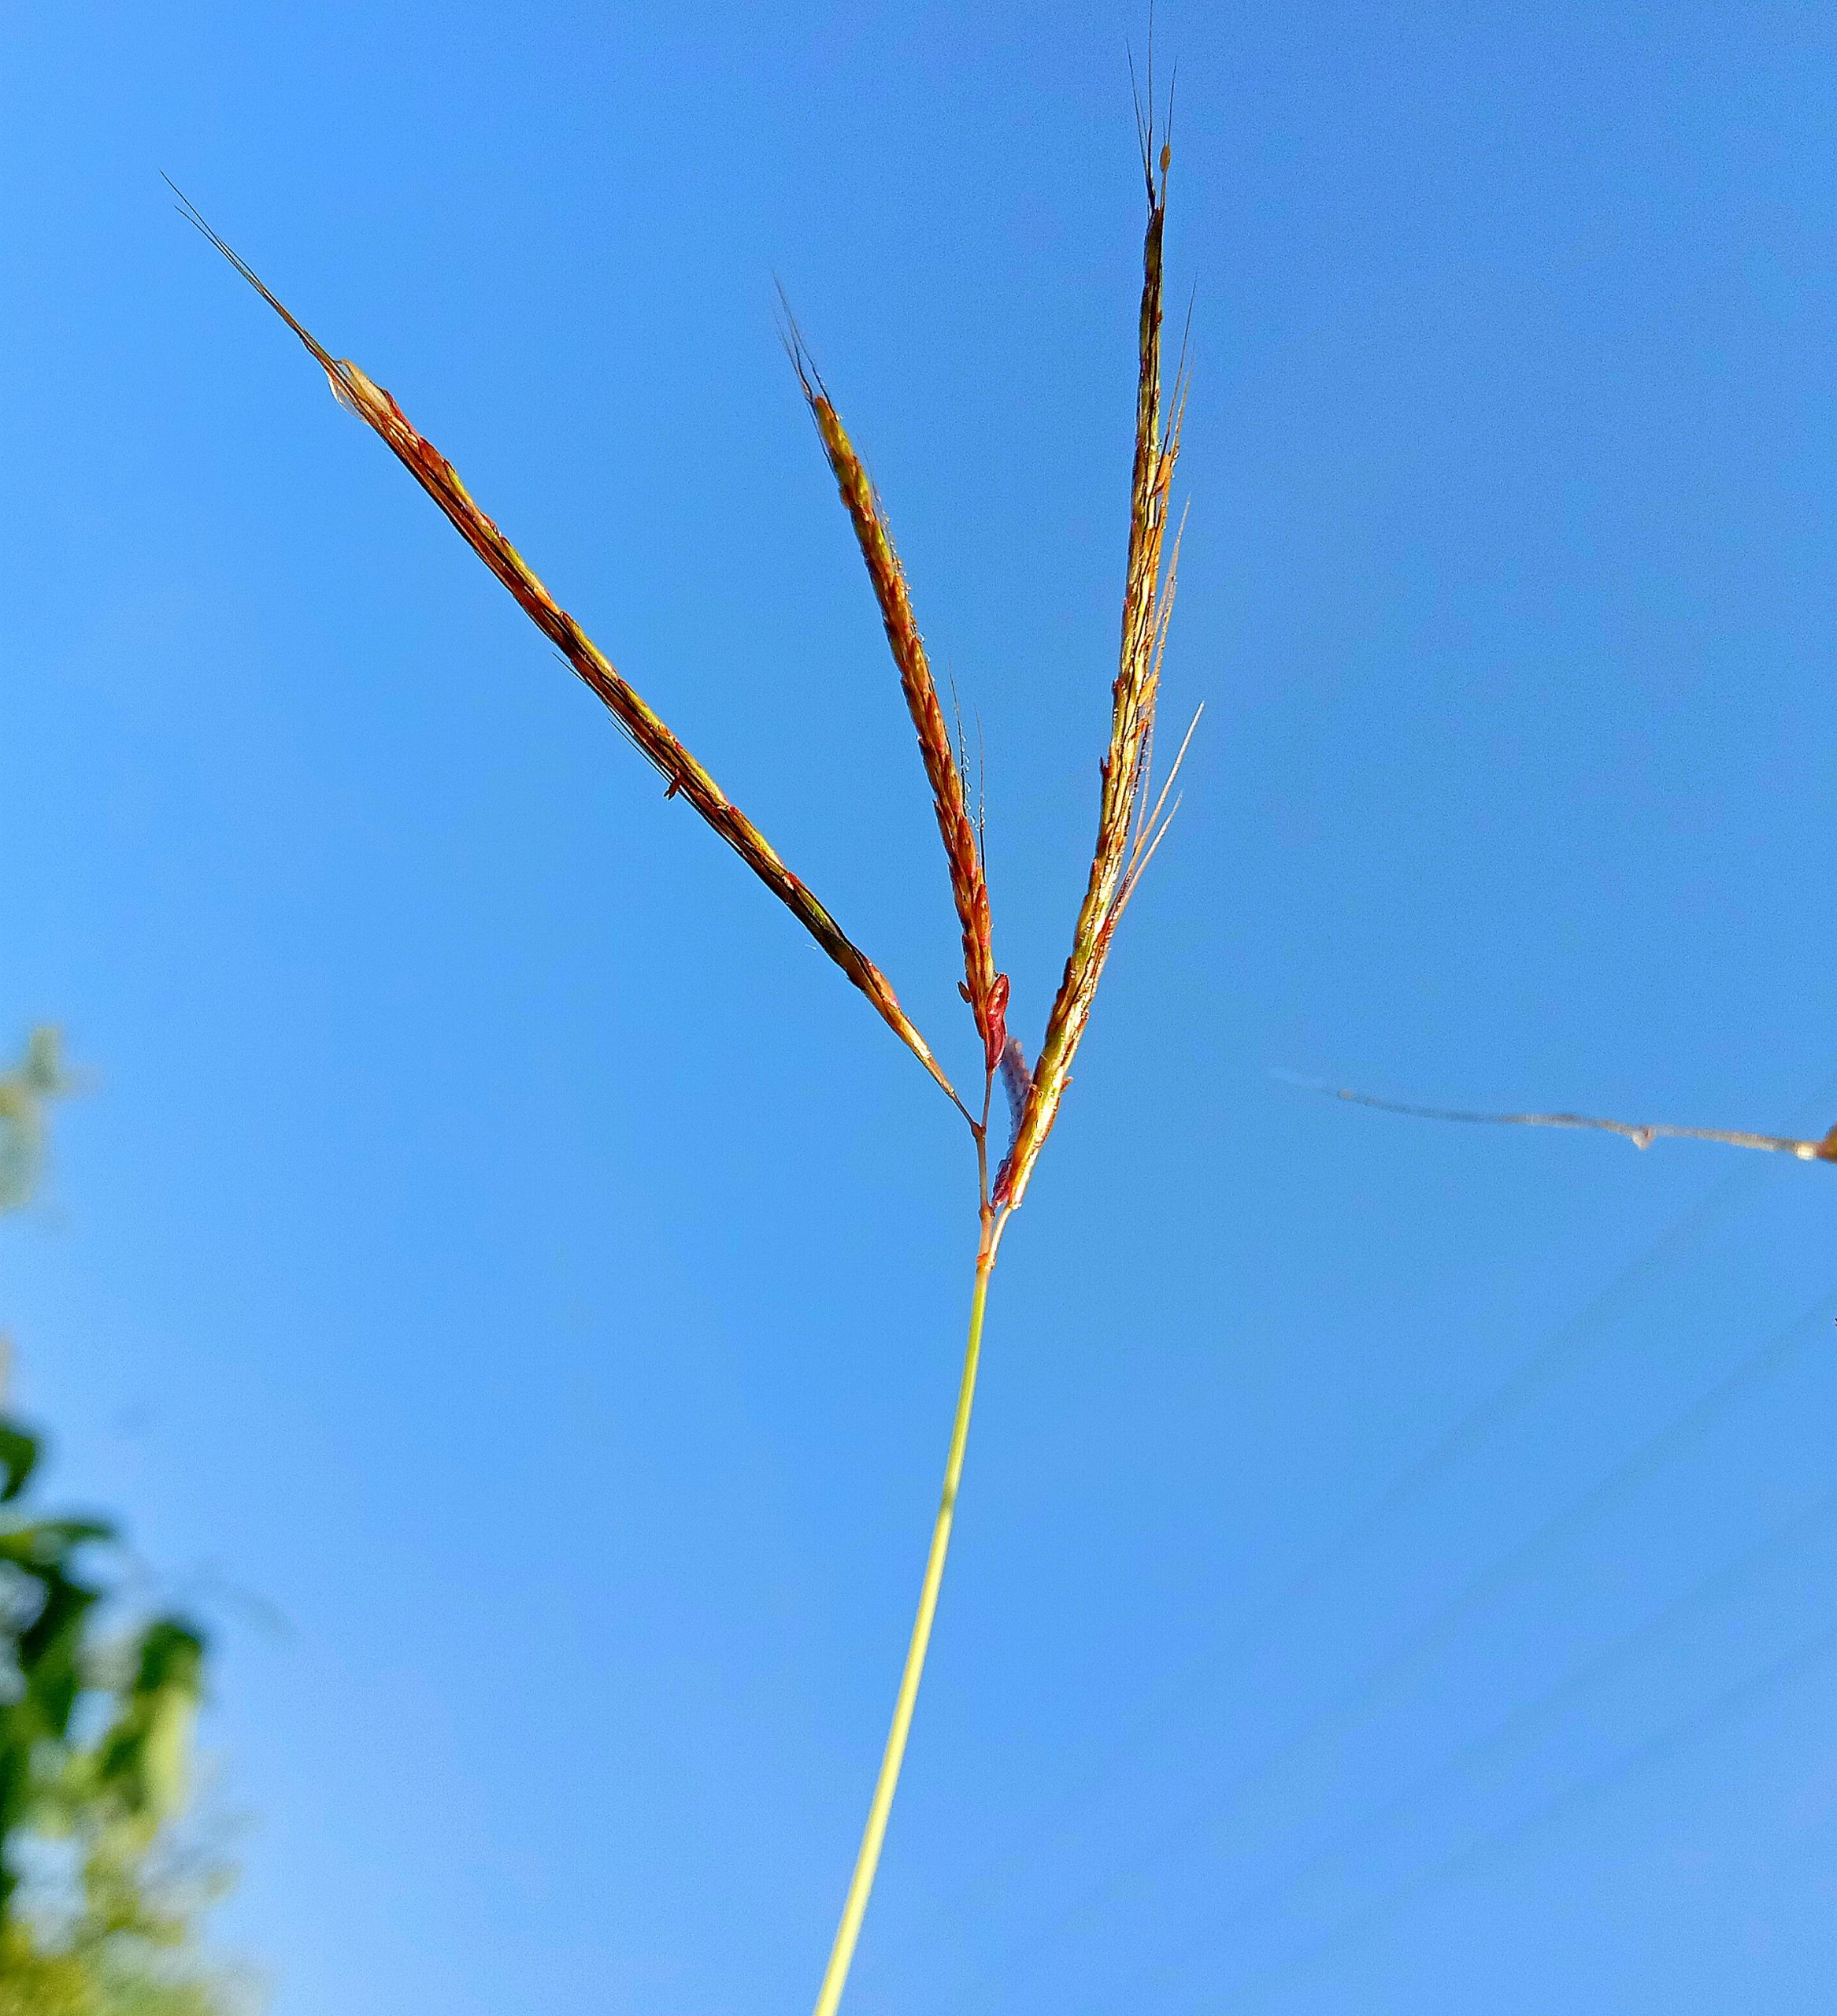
[[497, 1241]]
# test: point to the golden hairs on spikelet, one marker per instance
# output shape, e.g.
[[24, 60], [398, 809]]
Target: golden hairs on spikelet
[[1125, 839], [983, 987]]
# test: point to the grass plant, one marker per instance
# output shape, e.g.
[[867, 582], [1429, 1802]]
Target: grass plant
[[1131, 821]]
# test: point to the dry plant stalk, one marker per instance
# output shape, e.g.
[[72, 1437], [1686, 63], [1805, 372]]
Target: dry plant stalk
[[1641, 1133], [1128, 832]]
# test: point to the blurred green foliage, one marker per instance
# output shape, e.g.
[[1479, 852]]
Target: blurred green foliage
[[25, 1093], [99, 1902]]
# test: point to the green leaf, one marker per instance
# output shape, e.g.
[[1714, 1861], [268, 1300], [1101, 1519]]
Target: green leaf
[[142, 1760], [18, 1457], [46, 1542]]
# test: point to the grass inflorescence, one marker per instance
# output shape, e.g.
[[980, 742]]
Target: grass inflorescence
[[1131, 821]]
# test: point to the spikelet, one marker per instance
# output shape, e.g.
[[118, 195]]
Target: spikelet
[[1125, 840], [983, 987], [686, 777]]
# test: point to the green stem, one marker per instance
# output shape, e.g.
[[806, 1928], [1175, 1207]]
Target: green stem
[[862, 1883]]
